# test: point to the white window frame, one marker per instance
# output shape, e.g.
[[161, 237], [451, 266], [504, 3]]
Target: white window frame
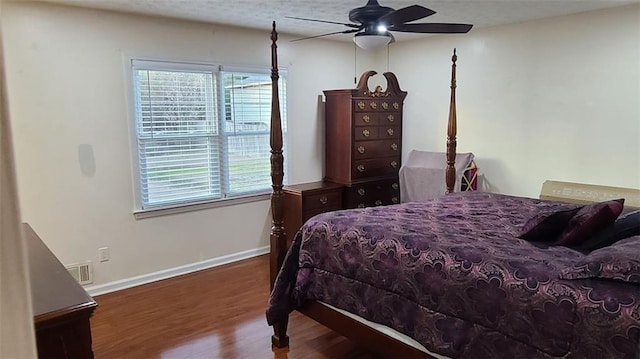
[[140, 211]]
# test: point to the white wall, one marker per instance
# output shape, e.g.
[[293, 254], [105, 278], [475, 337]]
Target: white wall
[[66, 79], [550, 99]]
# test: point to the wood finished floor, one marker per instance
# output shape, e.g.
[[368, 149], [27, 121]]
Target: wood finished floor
[[215, 313]]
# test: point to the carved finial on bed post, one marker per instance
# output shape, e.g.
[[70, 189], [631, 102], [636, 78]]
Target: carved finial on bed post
[[278, 238], [452, 129]]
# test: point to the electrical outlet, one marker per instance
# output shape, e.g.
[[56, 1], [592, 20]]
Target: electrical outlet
[[103, 254]]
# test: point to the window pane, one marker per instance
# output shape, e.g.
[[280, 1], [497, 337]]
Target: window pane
[[175, 103], [247, 102], [246, 121], [176, 120], [249, 163], [179, 169]]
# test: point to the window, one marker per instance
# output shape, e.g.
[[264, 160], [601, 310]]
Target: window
[[202, 132]]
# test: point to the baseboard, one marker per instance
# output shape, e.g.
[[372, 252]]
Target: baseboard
[[95, 290]]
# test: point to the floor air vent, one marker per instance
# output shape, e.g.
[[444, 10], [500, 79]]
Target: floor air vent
[[82, 272]]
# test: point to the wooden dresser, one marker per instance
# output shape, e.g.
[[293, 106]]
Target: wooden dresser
[[364, 141], [61, 307]]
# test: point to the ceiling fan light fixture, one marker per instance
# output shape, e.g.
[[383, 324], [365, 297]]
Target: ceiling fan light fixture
[[373, 24], [372, 42]]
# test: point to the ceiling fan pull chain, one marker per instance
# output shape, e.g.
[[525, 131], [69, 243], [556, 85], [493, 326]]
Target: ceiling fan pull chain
[[355, 63]]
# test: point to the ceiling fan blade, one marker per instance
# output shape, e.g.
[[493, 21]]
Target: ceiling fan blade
[[324, 21], [433, 28], [331, 33], [406, 14]]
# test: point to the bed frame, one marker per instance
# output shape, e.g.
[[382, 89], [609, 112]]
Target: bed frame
[[369, 338]]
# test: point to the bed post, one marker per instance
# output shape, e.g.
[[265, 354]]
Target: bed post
[[278, 240], [452, 128]]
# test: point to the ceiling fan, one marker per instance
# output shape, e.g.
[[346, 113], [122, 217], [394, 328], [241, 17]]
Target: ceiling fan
[[372, 24]]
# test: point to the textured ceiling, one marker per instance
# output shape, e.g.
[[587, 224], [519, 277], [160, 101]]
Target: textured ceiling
[[258, 14]]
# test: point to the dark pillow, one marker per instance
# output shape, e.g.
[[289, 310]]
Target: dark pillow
[[545, 226], [589, 220], [620, 261], [626, 226]]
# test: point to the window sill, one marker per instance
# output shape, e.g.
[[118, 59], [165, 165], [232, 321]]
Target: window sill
[[182, 208]]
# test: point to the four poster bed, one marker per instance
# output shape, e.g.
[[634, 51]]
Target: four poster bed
[[469, 274]]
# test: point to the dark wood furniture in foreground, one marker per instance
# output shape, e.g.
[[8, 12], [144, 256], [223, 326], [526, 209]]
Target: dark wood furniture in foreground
[[341, 323], [61, 307]]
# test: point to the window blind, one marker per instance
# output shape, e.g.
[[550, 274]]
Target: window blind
[[201, 134]]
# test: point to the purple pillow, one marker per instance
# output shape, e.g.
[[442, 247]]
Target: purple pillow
[[620, 261], [545, 226], [589, 220]]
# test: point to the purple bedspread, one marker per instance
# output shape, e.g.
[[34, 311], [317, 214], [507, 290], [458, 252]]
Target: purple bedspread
[[452, 274]]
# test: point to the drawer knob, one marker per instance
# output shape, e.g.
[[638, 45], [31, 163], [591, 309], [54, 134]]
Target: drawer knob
[[378, 202], [394, 164], [361, 191], [390, 131], [391, 118], [385, 105], [374, 105], [366, 118], [394, 146], [394, 199], [394, 186], [324, 200], [360, 168], [396, 105], [360, 205], [366, 133], [361, 105], [361, 149]]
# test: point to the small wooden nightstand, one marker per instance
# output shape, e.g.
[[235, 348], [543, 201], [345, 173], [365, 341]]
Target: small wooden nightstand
[[303, 201]]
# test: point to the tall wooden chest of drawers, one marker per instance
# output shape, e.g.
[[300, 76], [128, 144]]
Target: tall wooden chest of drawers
[[363, 135]]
